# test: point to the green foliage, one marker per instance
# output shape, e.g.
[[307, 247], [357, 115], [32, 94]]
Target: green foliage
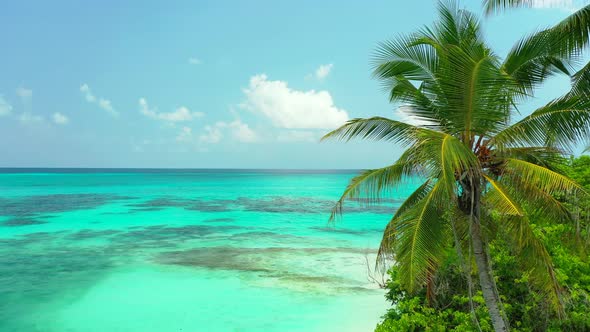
[[580, 170], [527, 308], [412, 313]]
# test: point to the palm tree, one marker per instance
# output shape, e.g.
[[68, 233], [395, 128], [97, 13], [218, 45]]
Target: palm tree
[[574, 33], [482, 170]]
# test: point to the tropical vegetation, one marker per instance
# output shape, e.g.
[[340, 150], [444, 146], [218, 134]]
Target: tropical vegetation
[[497, 201], [567, 243]]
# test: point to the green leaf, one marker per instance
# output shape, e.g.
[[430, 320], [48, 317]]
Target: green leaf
[[368, 186], [376, 128], [386, 248], [498, 198], [563, 123], [421, 234], [535, 58], [581, 82], [548, 181]]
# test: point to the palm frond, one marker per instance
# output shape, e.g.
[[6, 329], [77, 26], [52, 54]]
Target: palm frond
[[500, 200], [455, 26], [376, 128], [575, 29], [544, 179], [403, 57], [537, 202], [399, 63], [422, 104], [386, 248], [535, 58], [494, 6], [581, 82], [476, 92], [434, 153], [421, 234], [447, 157], [369, 185], [548, 157], [562, 123]]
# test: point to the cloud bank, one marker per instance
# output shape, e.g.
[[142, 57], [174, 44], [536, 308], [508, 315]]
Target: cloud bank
[[292, 109]]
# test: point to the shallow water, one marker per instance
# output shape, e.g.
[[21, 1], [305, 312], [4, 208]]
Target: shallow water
[[207, 250]]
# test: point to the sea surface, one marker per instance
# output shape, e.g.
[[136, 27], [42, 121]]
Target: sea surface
[[89, 250]]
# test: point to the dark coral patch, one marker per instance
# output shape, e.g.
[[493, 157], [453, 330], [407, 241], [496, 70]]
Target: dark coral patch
[[15, 222], [216, 220], [340, 230], [34, 205], [271, 204]]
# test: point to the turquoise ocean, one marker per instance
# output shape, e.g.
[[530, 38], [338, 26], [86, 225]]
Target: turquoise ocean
[[85, 250]]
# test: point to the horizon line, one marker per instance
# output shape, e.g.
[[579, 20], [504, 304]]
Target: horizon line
[[3, 168]]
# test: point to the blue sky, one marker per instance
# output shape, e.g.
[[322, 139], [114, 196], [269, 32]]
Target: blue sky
[[233, 84]]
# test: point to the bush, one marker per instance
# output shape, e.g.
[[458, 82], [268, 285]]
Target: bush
[[526, 308]]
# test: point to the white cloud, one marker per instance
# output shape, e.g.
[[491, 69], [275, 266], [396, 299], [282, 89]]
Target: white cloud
[[28, 118], [5, 107], [292, 109], [243, 132], [145, 109], [214, 133], [297, 136], [103, 103], [194, 61], [106, 105], [85, 89], [60, 119], [24, 93], [179, 115], [211, 135], [240, 131], [237, 129], [323, 71]]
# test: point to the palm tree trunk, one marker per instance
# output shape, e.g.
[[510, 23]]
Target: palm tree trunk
[[485, 278], [471, 199]]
